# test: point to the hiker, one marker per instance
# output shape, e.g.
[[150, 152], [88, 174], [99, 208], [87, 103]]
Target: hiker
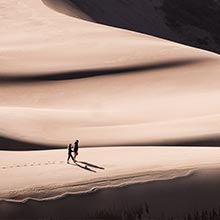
[[69, 148], [75, 150]]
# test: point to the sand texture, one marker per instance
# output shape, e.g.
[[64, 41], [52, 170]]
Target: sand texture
[[44, 174], [63, 77]]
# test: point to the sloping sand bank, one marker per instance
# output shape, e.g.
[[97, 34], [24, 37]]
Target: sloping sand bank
[[184, 197], [63, 78], [191, 23], [45, 174]]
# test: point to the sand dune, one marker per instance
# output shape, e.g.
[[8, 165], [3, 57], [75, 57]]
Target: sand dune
[[100, 77], [194, 195], [63, 77], [191, 23]]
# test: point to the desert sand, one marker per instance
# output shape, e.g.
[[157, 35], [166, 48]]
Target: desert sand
[[191, 23], [64, 77], [42, 174], [196, 195]]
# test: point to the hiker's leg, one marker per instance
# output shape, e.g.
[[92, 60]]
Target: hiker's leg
[[72, 158], [75, 154], [68, 158]]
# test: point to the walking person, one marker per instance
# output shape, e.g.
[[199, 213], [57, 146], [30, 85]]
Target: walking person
[[75, 150], [69, 149]]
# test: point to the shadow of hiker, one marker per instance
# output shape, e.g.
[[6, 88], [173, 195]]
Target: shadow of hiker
[[91, 165], [84, 167]]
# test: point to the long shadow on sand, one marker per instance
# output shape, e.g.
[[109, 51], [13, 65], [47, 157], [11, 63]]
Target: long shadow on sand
[[77, 163], [91, 165], [69, 75]]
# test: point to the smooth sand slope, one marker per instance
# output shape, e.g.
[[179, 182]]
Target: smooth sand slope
[[192, 23], [148, 90], [43, 175], [194, 196], [63, 78]]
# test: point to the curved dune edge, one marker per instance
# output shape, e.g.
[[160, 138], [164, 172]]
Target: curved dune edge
[[46, 174], [12, 144], [112, 182], [177, 195], [66, 7], [169, 132], [153, 18], [137, 80]]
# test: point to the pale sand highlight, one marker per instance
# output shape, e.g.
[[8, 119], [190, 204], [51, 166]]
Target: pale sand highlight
[[143, 80], [48, 175]]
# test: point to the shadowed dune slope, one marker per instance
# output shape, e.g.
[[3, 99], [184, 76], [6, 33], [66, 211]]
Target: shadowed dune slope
[[194, 23], [8, 144], [176, 197], [67, 7], [15, 145], [68, 75]]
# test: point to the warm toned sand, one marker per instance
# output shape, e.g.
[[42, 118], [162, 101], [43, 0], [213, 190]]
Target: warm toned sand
[[194, 195], [44, 174], [63, 78], [149, 90]]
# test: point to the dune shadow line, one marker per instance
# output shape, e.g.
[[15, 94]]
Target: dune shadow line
[[9, 144], [69, 75], [172, 14]]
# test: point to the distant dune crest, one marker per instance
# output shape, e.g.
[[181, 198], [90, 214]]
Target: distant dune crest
[[66, 7], [187, 22]]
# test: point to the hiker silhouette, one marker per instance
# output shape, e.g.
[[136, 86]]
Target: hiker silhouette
[[69, 148], [75, 150]]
